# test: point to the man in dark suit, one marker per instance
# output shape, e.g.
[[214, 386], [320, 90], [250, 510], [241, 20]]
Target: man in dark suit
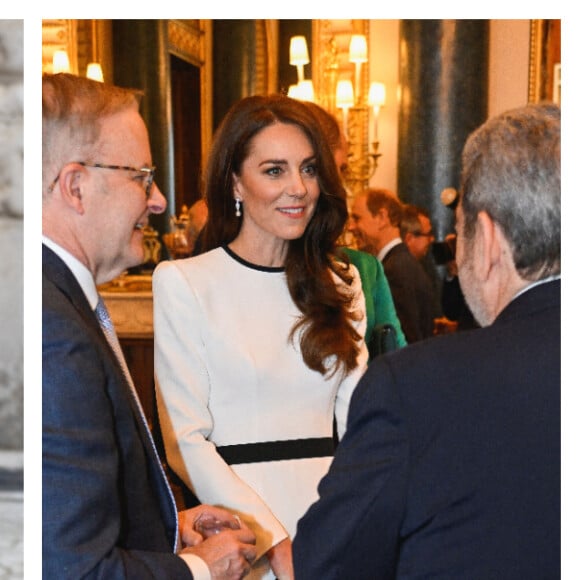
[[450, 465], [108, 511], [375, 223]]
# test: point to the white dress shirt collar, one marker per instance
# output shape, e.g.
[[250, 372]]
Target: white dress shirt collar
[[387, 248], [534, 284]]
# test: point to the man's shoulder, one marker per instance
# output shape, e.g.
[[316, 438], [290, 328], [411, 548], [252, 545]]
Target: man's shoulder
[[398, 253], [63, 323], [539, 298], [66, 314], [59, 288], [401, 263], [532, 323]]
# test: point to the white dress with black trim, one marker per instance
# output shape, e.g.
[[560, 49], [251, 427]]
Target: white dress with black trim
[[235, 397]]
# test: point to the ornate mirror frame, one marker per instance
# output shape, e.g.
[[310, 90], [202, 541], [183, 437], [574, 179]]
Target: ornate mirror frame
[[545, 61]]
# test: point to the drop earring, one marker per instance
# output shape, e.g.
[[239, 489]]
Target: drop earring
[[238, 206]]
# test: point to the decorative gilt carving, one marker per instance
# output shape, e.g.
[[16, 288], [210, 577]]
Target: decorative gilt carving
[[330, 41], [272, 32], [265, 31], [186, 40], [545, 61]]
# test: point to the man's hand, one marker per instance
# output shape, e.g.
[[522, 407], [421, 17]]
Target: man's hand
[[192, 523], [229, 549]]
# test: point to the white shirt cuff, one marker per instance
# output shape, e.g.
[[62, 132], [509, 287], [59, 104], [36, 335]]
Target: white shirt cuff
[[199, 569]]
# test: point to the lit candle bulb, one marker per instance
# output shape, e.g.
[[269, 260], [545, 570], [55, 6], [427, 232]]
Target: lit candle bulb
[[358, 53], [299, 54], [95, 72], [293, 91], [344, 100], [306, 90], [377, 98], [60, 62]]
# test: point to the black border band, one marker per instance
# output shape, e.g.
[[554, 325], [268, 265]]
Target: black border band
[[277, 450]]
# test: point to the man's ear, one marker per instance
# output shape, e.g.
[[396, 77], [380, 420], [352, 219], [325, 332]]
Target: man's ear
[[71, 184], [489, 246], [383, 217]]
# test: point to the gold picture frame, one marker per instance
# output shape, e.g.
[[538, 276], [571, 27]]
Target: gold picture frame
[[545, 61]]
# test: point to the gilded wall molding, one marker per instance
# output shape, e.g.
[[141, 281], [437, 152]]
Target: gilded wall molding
[[191, 40], [545, 61], [187, 41]]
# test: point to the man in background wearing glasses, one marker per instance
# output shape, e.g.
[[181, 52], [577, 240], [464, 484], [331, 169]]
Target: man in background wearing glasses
[[108, 511], [416, 231]]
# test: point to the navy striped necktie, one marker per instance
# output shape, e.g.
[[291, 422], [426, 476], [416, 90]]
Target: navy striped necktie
[[109, 329]]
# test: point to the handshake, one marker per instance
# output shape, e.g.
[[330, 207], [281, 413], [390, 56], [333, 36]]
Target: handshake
[[219, 538]]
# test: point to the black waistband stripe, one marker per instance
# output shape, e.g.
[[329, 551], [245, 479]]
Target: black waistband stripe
[[277, 450]]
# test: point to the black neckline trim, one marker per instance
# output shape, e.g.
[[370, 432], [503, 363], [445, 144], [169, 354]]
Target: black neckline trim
[[241, 260]]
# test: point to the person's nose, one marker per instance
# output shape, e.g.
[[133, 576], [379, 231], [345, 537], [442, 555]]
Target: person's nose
[[297, 186], [156, 202]]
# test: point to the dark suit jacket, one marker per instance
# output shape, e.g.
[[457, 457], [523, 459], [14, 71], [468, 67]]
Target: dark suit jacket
[[107, 512], [454, 305], [412, 291], [450, 465]]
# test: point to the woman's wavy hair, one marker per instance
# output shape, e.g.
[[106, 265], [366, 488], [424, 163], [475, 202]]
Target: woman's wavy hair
[[328, 340]]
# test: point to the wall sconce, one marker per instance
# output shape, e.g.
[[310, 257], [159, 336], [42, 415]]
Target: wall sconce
[[70, 47], [61, 64], [348, 98], [362, 164]]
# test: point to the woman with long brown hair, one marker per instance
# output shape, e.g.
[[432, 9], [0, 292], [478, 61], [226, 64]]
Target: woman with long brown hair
[[259, 340]]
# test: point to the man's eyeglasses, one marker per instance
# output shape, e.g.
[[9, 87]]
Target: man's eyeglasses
[[148, 171], [421, 234]]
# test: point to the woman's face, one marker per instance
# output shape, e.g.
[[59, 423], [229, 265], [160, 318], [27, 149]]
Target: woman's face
[[278, 185]]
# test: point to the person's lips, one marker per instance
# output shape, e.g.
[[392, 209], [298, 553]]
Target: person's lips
[[293, 212]]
